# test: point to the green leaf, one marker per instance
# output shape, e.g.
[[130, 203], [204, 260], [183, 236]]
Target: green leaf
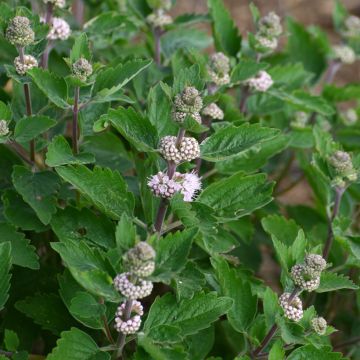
[[330, 282], [52, 86], [47, 310], [231, 141], [110, 80], [38, 190], [5, 264], [22, 253], [244, 308], [172, 252], [310, 352], [245, 69], [29, 128], [339, 14], [11, 340], [5, 112], [190, 76], [107, 22], [237, 195], [80, 49], [277, 351], [106, 189], [190, 315], [77, 345], [341, 93], [271, 307], [88, 268], [59, 153], [125, 234], [226, 34], [134, 128]]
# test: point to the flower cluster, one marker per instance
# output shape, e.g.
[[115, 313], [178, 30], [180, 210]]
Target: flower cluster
[[159, 19], [269, 29], [19, 32], [350, 117], [352, 26], [22, 67], [213, 112], [188, 149], [59, 29], [57, 3], [140, 263], [300, 120], [261, 82], [342, 165], [4, 128], [319, 325], [82, 69], [189, 102], [219, 69], [293, 309], [344, 53]]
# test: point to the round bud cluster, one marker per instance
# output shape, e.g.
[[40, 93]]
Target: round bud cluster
[[305, 277], [319, 325], [219, 69], [350, 117], [343, 166], [270, 25], [29, 63], [82, 69], [189, 102], [261, 82], [4, 128], [136, 289], [162, 186], [315, 262], [159, 19], [57, 3], [132, 325], [187, 150], [301, 120], [265, 43], [140, 260], [292, 310], [59, 30], [352, 26], [213, 112], [19, 31], [345, 54]]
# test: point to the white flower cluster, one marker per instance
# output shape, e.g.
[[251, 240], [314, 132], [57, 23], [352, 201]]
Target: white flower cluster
[[213, 112], [159, 19], [132, 289], [292, 309], [189, 102], [29, 63], [82, 69], [343, 167], [261, 82], [350, 117], [319, 325], [219, 69], [132, 325], [19, 32], [187, 150], [352, 26], [269, 30], [344, 53], [59, 29], [4, 128], [57, 3], [186, 184]]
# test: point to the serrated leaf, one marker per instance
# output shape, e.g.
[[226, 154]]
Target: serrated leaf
[[105, 188], [59, 153], [277, 351], [232, 141], [5, 265], [80, 49], [341, 93], [331, 281], [106, 22], [52, 86], [271, 307], [29, 128], [226, 34], [11, 340], [125, 234], [5, 111], [237, 195], [171, 254], [245, 69], [187, 77], [22, 253], [77, 345], [310, 352], [38, 190], [135, 128]]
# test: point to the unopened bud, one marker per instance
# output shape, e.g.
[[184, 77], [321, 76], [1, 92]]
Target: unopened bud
[[82, 69], [319, 325], [19, 32]]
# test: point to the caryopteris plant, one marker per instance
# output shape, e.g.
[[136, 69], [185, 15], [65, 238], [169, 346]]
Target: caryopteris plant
[[172, 193]]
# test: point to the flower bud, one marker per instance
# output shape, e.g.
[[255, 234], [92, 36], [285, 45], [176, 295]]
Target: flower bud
[[132, 289], [189, 102], [59, 30], [315, 262], [4, 128], [219, 68], [305, 277], [350, 117], [140, 259], [319, 325], [131, 325], [159, 19], [345, 54], [264, 43], [57, 3], [29, 63], [292, 310], [270, 25], [82, 69], [342, 164], [187, 150], [19, 32], [352, 26], [261, 82], [300, 121], [213, 112]]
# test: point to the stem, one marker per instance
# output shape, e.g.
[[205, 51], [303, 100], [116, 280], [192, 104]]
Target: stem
[[27, 95], [48, 19], [245, 94], [75, 122], [207, 122], [122, 337], [339, 191], [157, 37], [78, 11], [333, 68], [273, 329]]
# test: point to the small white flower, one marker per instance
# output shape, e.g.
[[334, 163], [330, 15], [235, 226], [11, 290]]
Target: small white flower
[[187, 150], [345, 54], [59, 30], [305, 277], [4, 128], [191, 185], [29, 63], [261, 82], [267, 43], [319, 325], [132, 325], [213, 111], [292, 311], [162, 186], [137, 290]]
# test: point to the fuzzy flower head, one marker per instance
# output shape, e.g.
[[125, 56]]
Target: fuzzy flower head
[[162, 186], [292, 310], [19, 32], [270, 25], [345, 54], [213, 112], [58, 3], [342, 165], [191, 185], [188, 149], [4, 128], [189, 102], [132, 288], [352, 26], [59, 30], [319, 325], [82, 69], [29, 63], [219, 69], [350, 117], [159, 19], [301, 119], [140, 260], [265, 44], [315, 262], [305, 277], [261, 82], [131, 325]]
